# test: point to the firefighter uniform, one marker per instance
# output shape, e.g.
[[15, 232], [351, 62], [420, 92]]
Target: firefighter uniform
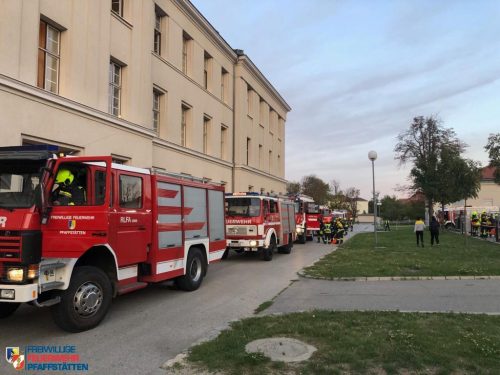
[[67, 193], [327, 233]]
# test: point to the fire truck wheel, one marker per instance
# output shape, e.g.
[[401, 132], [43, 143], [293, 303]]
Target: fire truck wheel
[[302, 239], [287, 249], [86, 302], [267, 253], [7, 309], [195, 269]]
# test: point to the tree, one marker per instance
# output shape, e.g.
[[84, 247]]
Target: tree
[[316, 188], [352, 196], [459, 178], [292, 188], [422, 144], [493, 148]]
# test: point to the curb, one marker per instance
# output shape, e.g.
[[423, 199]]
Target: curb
[[399, 278]]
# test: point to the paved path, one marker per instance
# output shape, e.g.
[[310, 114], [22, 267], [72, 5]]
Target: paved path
[[467, 296]]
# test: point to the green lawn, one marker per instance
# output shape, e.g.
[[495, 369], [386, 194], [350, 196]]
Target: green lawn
[[362, 343], [398, 255]]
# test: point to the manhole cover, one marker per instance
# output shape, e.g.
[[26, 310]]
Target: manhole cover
[[281, 349]]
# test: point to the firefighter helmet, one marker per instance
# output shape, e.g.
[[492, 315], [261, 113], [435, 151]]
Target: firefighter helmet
[[64, 176]]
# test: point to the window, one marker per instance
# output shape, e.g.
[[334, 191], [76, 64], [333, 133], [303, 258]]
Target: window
[[115, 87], [279, 163], [184, 125], [262, 111], [157, 33], [186, 50], [270, 161], [99, 187], [223, 85], [248, 150], [156, 109], [117, 7], [48, 57], [271, 121], [223, 141], [273, 207], [249, 100], [207, 65], [206, 134], [260, 156], [130, 191]]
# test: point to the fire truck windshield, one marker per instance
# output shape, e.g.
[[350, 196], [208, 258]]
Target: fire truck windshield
[[18, 181], [249, 207]]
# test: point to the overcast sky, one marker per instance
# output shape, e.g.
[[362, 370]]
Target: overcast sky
[[356, 72]]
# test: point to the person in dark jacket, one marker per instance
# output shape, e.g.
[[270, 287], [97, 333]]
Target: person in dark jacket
[[434, 228]]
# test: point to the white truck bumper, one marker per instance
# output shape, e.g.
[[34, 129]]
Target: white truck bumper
[[247, 245], [18, 293]]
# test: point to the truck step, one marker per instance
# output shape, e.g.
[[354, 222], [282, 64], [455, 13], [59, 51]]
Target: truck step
[[123, 289]]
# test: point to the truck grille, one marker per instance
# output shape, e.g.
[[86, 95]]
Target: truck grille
[[10, 249], [241, 230]]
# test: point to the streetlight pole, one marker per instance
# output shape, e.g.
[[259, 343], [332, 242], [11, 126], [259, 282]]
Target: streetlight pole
[[372, 155]]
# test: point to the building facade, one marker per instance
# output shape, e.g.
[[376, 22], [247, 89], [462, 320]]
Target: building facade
[[151, 83]]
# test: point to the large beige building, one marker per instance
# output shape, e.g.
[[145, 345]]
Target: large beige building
[[150, 82]]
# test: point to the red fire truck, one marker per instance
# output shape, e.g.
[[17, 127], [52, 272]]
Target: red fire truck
[[307, 217], [135, 226], [257, 222]]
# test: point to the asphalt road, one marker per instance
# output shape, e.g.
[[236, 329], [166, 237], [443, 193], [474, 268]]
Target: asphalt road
[[146, 328]]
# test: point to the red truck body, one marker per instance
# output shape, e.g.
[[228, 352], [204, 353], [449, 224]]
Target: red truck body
[[137, 226], [308, 215], [257, 222]]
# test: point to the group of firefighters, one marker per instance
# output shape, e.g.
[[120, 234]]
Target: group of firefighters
[[333, 229], [483, 225]]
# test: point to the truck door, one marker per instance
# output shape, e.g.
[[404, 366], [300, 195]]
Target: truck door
[[130, 217]]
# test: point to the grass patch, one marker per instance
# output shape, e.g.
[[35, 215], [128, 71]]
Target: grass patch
[[263, 306], [362, 343], [398, 255]]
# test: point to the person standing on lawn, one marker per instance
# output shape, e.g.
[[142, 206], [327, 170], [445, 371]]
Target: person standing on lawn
[[434, 228], [419, 231]]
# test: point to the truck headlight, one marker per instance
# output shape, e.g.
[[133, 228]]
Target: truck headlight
[[33, 271], [300, 230], [8, 294], [253, 243], [15, 274]]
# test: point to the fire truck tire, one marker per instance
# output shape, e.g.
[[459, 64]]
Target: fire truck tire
[[302, 239], [287, 249], [267, 253], [195, 269], [86, 302], [7, 309]]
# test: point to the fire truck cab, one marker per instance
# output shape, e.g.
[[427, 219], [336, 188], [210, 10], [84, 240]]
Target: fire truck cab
[[308, 216], [130, 227], [256, 222]]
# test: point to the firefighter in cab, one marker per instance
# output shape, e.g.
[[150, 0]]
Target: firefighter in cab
[[67, 192]]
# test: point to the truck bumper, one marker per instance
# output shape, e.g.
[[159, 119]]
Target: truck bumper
[[22, 293], [248, 245]]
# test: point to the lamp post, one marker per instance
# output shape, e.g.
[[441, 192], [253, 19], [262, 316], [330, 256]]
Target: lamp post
[[372, 155]]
